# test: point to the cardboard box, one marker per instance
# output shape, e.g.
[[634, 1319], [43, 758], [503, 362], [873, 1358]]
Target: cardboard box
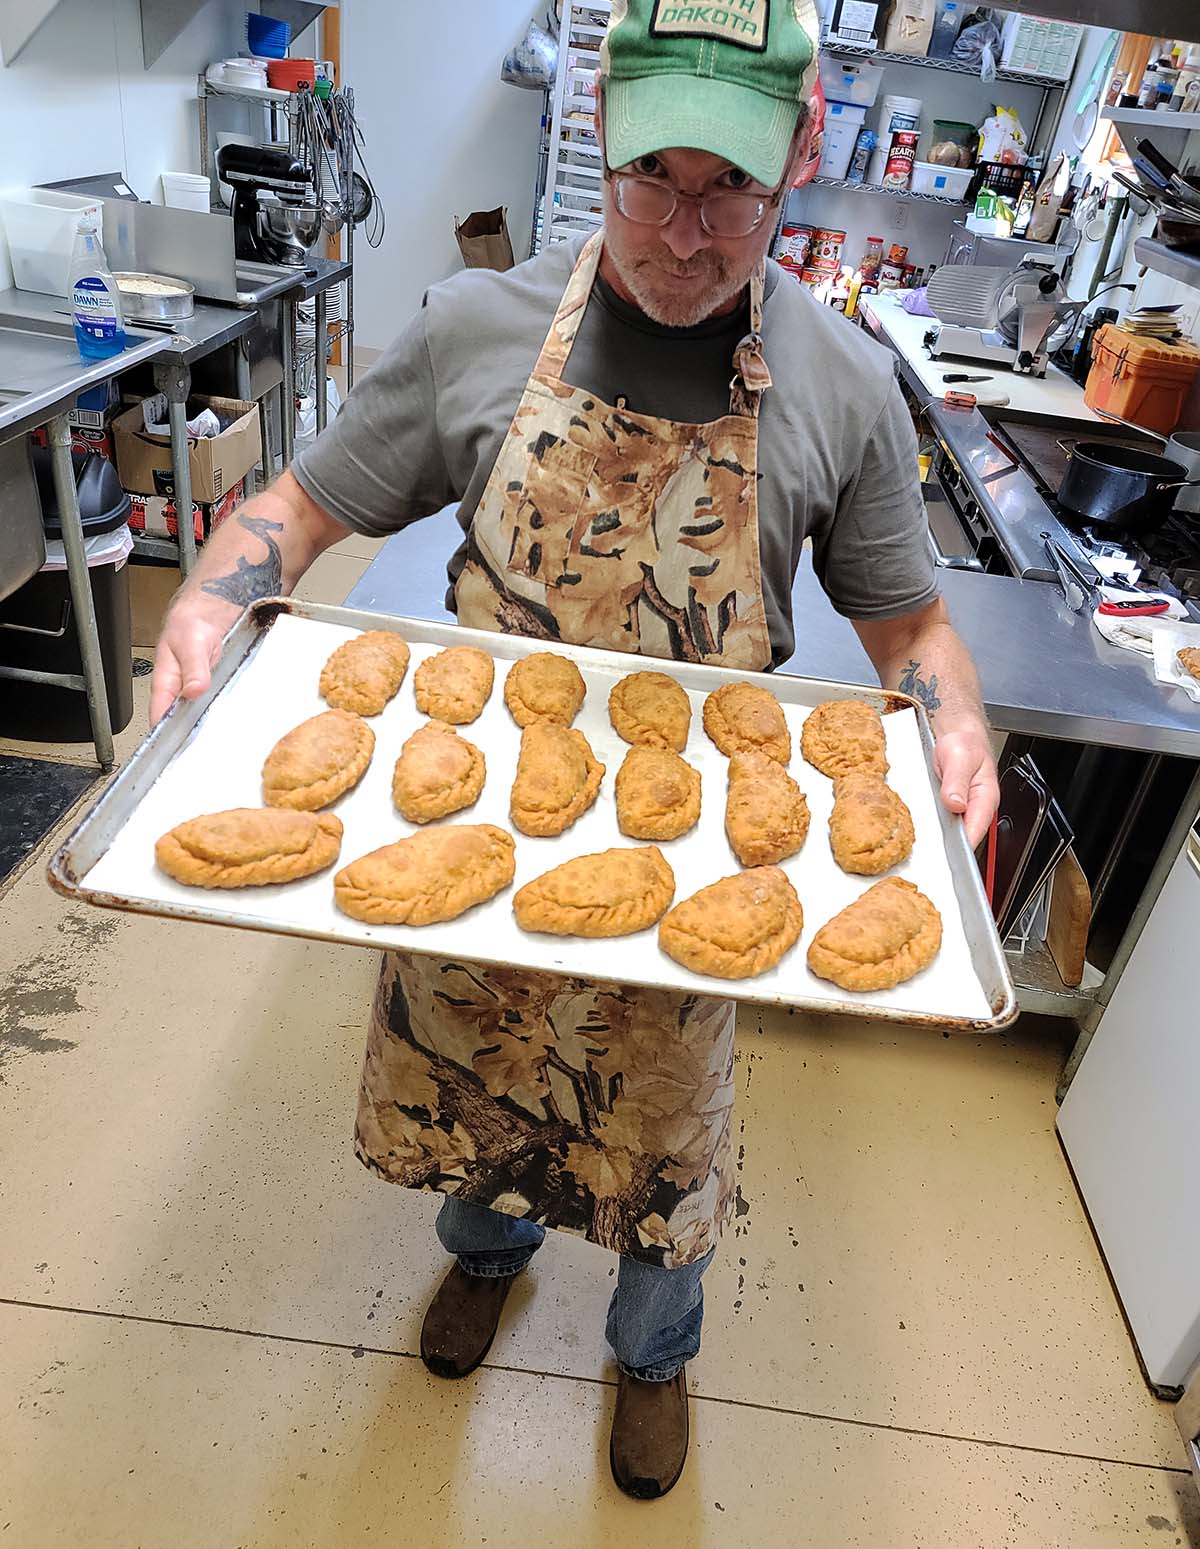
[[97, 407], [217, 462], [156, 515]]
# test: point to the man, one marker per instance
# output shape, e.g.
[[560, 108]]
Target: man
[[641, 432]]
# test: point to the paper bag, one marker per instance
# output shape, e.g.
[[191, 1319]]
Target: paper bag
[[484, 241]]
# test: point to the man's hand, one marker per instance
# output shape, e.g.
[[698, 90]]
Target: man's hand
[[920, 654], [262, 550], [186, 654], [962, 759]]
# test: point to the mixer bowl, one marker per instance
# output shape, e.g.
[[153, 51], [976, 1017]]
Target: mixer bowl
[[291, 224]]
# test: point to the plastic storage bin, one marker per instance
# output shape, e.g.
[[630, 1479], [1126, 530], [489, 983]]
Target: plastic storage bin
[[947, 182], [842, 122], [40, 226], [1140, 380], [850, 80]]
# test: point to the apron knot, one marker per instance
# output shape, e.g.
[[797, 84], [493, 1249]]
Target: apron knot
[[750, 365]]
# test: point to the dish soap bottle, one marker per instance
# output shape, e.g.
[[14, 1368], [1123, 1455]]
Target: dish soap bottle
[[95, 299]]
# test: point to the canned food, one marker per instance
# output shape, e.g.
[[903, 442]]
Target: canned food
[[901, 156], [897, 253], [827, 246], [814, 277], [795, 244], [889, 276]]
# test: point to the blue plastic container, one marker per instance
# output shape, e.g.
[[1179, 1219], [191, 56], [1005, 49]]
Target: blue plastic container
[[267, 37]]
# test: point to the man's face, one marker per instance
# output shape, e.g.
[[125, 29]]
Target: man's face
[[678, 274]]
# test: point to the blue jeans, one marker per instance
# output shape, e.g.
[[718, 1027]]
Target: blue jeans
[[655, 1314]]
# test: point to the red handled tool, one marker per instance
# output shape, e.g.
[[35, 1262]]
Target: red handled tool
[[1133, 607]]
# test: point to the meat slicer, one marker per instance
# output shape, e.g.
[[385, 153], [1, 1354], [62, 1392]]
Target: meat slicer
[[1000, 317]]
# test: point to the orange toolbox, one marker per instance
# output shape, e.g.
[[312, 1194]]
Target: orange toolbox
[[1140, 380]]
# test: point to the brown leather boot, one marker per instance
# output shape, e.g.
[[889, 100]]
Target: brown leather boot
[[461, 1321], [649, 1435]]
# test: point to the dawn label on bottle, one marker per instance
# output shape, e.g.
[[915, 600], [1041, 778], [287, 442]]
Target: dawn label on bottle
[[94, 310]]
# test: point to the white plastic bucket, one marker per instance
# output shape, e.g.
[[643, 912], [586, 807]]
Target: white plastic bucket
[[842, 123], [899, 113], [186, 191], [40, 225]]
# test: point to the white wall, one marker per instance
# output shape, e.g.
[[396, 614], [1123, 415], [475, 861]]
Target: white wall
[[77, 100], [445, 136]]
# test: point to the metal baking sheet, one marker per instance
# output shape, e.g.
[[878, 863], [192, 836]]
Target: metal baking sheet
[[207, 756]]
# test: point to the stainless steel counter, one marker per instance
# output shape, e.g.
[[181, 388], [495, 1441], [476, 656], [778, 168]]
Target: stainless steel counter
[[41, 374], [1044, 670]]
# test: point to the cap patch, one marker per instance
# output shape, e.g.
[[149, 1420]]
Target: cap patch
[[740, 22]]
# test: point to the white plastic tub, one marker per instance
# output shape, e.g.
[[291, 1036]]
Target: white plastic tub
[[947, 182], [40, 225], [850, 80], [186, 191], [842, 123]]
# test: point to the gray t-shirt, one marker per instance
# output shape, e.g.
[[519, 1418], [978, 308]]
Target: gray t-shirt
[[837, 454]]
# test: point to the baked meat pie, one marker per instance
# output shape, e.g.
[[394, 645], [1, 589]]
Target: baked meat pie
[[880, 940]]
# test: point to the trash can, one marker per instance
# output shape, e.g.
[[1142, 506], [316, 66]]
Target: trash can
[[37, 622]]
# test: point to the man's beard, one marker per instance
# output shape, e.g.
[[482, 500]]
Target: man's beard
[[709, 281]]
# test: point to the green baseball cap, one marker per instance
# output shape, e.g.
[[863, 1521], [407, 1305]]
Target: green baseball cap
[[729, 78]]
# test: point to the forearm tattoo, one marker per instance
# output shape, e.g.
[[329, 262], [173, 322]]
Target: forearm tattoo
[[248, 582], [912, 683]]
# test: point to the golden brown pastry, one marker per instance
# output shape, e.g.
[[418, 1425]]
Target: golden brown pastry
[[740, 717], [737, 927], [878, 941], [1189, 660], [544, 687], [870, 828], [614, 893], [843, 735], [438, 772], [454, 685], [249, 847], [557, 779], [650, 710], [658, 795], [317, 761], [365, 673], [766, 815], [435, 875]]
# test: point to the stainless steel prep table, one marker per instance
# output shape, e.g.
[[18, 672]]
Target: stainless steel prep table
[[36, 392], [1083, 690]]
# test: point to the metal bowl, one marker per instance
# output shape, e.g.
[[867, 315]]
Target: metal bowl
[[155, 298], [291, 223]]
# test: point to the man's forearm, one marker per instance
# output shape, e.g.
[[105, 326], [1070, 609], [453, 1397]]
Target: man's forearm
[[936, 668], [263, 549]]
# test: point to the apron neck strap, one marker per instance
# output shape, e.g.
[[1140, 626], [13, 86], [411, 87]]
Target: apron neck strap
[[751, 376]]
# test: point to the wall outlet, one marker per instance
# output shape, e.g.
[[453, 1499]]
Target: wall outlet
[[899, 217]]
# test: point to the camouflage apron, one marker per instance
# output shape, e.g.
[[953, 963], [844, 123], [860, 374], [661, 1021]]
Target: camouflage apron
[[598, 1109]]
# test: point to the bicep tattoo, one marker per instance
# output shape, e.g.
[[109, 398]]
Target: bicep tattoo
[[248, 582]]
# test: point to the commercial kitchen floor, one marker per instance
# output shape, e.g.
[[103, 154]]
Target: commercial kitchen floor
[[209, 1312]]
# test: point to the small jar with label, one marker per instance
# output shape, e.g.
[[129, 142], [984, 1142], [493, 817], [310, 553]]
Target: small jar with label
[[871, 259]]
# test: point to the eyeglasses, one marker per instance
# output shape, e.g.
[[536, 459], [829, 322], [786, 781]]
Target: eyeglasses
[[649, 202]]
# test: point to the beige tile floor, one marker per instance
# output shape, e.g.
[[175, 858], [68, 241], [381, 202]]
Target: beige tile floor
[[209, 1313]]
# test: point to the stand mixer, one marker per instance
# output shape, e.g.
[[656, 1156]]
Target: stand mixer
[[275, 218]]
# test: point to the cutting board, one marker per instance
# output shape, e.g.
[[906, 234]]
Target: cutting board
[[1070, 919]]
